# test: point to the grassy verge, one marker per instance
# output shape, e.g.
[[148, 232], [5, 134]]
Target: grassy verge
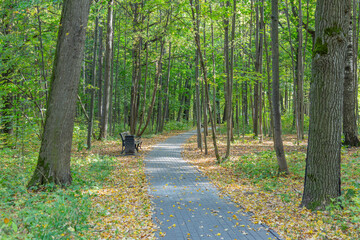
[[107, 200], [250, 178]]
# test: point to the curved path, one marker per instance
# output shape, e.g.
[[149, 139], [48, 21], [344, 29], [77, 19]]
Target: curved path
[[187, 205]]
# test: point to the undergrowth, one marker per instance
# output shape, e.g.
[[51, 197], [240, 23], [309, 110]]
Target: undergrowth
[[49, 212]]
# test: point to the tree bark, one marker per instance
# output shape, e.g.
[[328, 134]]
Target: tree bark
[[54, 157], [197, 85], [228, 102], [322, 173], [92, 101], [108, 71], [278, 144], [100, 75], [349, 116], [202, 62]]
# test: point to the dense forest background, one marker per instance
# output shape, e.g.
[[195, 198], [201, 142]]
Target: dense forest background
[[153, 51], [150, 67]]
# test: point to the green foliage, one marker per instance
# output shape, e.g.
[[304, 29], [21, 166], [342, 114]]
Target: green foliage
[[288, 124], [177, 126], [257, 165], [49, 212]]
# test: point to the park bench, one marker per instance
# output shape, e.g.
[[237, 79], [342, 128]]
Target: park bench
[[137, 141]]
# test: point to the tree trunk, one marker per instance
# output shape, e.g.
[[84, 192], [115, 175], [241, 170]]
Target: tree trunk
[[136, 73], [269, 95], [228, 102], [213, 70], [145, 82], [166, 93], [92, 101], [278, 144], [349, 117], [205, 118], [202, 62], [231, 84], [157, 76], [100, 75], [187, 100], [197, 86], [258, 68], [300, 80], [54, 157], [322, 173], [108, 67]]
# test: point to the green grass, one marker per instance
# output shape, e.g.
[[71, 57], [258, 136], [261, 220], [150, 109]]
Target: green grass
[[177, 126], [52, 213], [261, 168]]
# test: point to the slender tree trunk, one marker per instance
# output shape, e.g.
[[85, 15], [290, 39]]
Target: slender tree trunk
[[202, 61], [205, 119], [166, 92], [197, 87], [136, 73], [54, 157], [300, 79], [228, 102], [322, 173], [258, 68], [278, 144], [108, 67], [92, 101], [157, 77], [145, 82], [349, 117], [213, 70], [100, 75], [187, 97], [269, 95], [232, 47]]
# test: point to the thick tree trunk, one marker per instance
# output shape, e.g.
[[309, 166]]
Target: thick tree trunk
[[54, 157], [322, 174], [278, 144], [349, 116]]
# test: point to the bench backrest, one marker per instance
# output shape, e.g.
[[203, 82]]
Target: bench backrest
[[122, 135]]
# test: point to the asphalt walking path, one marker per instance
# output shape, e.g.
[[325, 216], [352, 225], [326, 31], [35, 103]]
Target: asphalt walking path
[[187, 205]]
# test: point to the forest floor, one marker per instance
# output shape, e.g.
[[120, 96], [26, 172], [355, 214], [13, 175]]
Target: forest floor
[[109, 198], [250, 178]]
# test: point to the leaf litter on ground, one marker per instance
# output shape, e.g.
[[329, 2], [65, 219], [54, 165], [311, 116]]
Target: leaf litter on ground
[[108, 198], [250, 178]]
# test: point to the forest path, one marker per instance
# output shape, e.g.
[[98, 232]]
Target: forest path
[[187, 205]]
